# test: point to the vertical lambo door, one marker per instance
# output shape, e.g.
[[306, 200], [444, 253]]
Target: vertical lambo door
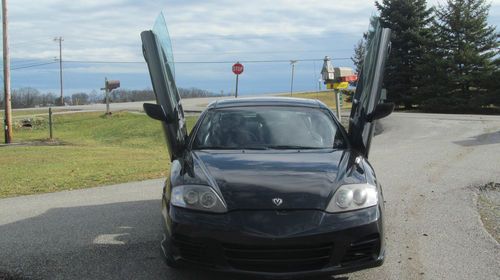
[[157, 51], [365, 107]]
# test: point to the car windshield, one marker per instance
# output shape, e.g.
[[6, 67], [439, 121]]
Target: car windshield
[[268, 128]]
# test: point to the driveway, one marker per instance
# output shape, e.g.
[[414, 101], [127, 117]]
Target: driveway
[[427, 164]]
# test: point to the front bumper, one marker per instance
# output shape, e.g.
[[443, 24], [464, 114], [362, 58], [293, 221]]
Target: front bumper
[[276, 244]]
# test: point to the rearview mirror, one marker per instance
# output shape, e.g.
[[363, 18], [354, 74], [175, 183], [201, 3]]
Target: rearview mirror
[[381, 111], [155, 111]]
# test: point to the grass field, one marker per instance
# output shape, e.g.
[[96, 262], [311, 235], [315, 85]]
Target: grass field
[[326, 97], [89, 150]]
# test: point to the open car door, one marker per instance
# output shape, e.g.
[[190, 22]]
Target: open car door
[[365, 106], [158, 55]]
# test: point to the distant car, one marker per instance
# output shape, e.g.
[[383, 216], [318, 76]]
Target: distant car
[[272, 187]]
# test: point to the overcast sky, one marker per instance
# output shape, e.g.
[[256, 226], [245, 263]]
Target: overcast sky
[[201, 30]]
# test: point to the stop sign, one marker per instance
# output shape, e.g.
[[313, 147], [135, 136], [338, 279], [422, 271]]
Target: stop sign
[[237, 68]]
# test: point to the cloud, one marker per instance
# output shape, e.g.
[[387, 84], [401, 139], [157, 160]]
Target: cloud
[[110, 29], [201, 30]]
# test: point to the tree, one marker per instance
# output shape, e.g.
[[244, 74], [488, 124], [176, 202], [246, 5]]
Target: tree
[[409, 21], [80, 98], [25, 97], [359, 55], [360, 47], [466, 48], [48, 99], [95, 97]]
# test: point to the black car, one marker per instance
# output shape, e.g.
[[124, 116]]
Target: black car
[[272, 187]]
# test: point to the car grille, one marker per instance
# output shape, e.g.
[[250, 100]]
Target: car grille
[[363, 250], [278, 259]]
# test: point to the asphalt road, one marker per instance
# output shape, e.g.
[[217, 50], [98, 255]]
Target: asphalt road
[[189, 105], [427, 164]]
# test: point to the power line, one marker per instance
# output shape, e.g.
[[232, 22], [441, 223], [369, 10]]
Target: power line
[[260, 52], [29, 62], [29, 43], [293, 36], [23, 62], [102, 62], [33, 65], [177, 62], [201, 62]]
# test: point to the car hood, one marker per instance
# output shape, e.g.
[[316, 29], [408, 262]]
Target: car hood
[[252, 179]]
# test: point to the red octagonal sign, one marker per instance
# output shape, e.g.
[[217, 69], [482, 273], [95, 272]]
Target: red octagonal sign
[[237, 68]]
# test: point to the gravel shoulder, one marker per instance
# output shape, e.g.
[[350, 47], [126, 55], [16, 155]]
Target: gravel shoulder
[[488, 204]]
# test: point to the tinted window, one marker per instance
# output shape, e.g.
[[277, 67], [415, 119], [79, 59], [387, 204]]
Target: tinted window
[[268, 127]]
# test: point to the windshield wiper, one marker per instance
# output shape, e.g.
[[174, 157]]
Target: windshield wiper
[[254, 148], [230, 148], [215, 148], [293, 147]]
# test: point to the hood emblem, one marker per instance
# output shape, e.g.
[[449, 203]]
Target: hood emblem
[[277, 201]]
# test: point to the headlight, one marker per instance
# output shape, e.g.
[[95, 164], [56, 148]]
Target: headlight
[[198, 197], [353, 197]]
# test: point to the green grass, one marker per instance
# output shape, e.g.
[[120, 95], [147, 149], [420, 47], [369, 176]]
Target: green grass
[[326, 97], [89, 150]]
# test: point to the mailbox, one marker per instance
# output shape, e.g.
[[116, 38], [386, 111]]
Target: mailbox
[[343, 72], [112, 84]]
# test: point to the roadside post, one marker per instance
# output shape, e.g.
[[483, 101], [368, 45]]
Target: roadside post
[[343, 76], [336, 79], [328, 75], [292, 62], [108, 87], [237, 70], [50, 122]]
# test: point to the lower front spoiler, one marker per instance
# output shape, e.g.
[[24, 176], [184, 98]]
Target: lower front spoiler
[[253, 243], [333, 270]]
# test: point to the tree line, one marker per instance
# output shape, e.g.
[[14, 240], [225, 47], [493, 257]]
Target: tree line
[[443, 59], [28, 97]]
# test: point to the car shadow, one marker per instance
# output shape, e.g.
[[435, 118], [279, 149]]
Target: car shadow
[[481, 139], [111, 241]]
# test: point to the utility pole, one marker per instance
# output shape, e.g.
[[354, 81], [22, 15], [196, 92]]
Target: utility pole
[[6, 75], [107, 95], [60, 39], [292, 62]]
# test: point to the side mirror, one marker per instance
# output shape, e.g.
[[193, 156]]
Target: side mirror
[[381, 111], [155, 111]]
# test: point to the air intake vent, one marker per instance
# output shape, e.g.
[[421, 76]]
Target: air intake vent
[[190, 250], [278, 259], [364, 250]]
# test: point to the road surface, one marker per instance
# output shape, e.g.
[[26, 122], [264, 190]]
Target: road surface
[[426, 163], [189, 104]]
